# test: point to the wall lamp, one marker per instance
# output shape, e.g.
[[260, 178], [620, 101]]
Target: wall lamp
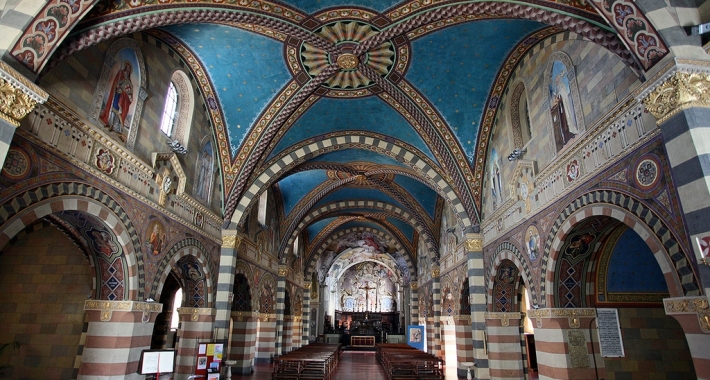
[[516, 153]]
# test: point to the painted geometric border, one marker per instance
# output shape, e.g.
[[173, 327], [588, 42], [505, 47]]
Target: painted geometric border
[[33, 204], [683, 271], [185, 247]]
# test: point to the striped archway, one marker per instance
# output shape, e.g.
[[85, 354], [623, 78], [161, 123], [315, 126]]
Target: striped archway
[[183, 248]]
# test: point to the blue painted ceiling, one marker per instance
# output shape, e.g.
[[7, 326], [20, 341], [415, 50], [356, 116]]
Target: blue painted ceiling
[[451, 70]]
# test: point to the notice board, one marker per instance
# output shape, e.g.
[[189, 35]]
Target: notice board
[[209, 359]]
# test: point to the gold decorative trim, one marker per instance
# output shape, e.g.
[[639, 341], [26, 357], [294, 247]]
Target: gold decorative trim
[[283, 271], [267, 317], [677, 93], [578, 351], [17, 80], [474, 245], [348, 61], [108, 307], [504, 317], [690, 305], [462, 318], [231, 241], [413, 285], [539, 314], [195, 312], [14, 103], [243, 316], [435, 273]]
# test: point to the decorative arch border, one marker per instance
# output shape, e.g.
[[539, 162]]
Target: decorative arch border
[[183, 248], [310, 268], [24, 209], [508, 251], [186, 105], [673, 262], [398, 150], [242, 267], [140, 97], [342, 205], [573, 87], [373, 259]]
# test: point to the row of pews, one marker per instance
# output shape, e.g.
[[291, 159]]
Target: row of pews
[[403, 362], [315, 361]]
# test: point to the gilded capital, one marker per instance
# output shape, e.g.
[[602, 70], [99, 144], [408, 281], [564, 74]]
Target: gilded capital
[[18, 96], [283, 271], [679, 92], [307, 286], [231, 241], [435, 273], [413, 285], [474, 245]]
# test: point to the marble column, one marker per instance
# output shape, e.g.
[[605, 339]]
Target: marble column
[[693, 314], [505, 355], [566, 344], [477, 290], [196, 325], [225, 283], [280, 304], [306, 313], [680, 102], [414, 303], [118, 332]]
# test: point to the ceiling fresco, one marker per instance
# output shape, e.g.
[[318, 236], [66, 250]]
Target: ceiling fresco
[[378, 107]]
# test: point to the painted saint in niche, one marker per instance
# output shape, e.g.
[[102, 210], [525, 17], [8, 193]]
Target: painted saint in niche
[[564, 119], [205, 170], [156, 238], [496, 181], [532, 242], [118, 105]]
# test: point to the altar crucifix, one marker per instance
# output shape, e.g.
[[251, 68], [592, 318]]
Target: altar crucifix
[[367, 289]]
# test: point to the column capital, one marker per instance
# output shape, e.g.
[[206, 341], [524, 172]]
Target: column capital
[[504, 317], [196, 312], [307, 285], [690, 305], [283, 270], [413, 285], [474, 242], [108, 307], [231, 241], [677, 92], [435, 273], [572, 315], [18, 95]]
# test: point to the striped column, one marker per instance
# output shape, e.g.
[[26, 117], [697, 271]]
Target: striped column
[[448, 339], [117, 333], [414, 303], [225, 283], [286, 337], [436, 322], [430, 337], [296, 332], [477, 291], [243, 343], [196, 325], [693, 314], [565, 350], [21, 97], [406, 311], [323, 294], [306, 313], [684, 120], [266, 338], [464, 343], [505, 356], [280, 304]]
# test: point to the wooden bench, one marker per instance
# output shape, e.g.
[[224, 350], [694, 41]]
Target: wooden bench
[[315, 361], [403, 362]]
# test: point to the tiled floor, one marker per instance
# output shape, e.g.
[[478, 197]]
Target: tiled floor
[[353, 365]]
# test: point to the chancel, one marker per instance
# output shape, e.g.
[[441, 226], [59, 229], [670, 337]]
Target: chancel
[[284, 183]]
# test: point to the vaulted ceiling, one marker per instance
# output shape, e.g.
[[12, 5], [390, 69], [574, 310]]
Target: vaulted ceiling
[[369, 114]]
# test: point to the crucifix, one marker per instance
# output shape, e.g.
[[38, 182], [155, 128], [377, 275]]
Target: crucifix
[[367, 289]]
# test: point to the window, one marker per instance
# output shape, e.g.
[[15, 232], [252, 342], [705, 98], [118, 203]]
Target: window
[[295, 246], [261, 216], [170, 111]]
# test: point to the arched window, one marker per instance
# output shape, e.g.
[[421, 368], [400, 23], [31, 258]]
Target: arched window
[[167, 125], [177, 113]]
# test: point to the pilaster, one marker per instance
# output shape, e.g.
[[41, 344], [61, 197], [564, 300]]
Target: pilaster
[[693, 314], [473, 246], [196, 325], [504, 347]]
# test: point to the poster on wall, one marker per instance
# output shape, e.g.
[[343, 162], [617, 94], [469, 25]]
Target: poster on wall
[[609, 332], [415, 337], [209, 360]]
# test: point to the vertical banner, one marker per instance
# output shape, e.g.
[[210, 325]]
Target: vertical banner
[[609, 333], [415, 337]]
